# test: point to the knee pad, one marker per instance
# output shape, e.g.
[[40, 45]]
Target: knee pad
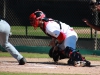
[[68, 51]]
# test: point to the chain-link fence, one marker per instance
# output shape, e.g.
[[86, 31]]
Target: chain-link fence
[[17, 12]]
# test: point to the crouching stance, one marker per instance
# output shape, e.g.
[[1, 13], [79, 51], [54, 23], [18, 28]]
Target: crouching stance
[[60, 32]]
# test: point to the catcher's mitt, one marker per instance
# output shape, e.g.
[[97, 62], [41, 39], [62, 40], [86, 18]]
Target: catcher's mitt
[[56, 54], [51, 52]]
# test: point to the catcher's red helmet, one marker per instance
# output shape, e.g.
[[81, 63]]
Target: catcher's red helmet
[[35, 17]]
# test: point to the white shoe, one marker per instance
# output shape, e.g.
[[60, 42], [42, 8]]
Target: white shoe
[[82, 63], [79, 63]]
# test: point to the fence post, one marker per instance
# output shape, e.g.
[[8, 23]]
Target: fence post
[[95, 33], [4, 9]]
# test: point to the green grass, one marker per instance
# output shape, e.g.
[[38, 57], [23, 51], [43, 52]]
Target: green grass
[[21, 30], [27, 55], [92, 57], [40, 55]]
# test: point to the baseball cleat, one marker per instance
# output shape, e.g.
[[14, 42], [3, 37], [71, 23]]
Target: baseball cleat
[[88, 63], [22, 61], [56, 62], [70, 62], [81, 63], [77, 63]]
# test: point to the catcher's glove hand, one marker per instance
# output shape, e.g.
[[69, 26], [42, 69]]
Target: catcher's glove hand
[[56, 56], [51, 52]]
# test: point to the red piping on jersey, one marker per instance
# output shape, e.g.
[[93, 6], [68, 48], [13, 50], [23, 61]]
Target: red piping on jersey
[[61, 36]]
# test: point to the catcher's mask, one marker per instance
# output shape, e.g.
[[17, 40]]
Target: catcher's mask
[[35, 17]]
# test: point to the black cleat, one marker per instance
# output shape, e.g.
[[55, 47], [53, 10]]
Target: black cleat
[[70, 62], [22, 61], [88, 63]]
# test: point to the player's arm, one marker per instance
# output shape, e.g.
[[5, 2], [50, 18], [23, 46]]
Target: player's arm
[[52, 42], [91, 25], [57, 35], [61, 37]]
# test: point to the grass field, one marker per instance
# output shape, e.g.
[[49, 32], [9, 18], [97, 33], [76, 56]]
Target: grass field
[[39, 55], [83, 32], [21, 30]]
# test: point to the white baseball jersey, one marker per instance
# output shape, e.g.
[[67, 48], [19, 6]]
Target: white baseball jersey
[[66, 33]]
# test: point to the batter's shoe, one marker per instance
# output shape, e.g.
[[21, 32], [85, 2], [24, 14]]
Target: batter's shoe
[[22, 61]]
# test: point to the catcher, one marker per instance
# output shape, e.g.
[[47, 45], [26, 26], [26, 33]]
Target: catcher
[[63, 36]]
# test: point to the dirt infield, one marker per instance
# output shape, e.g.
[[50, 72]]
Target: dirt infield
[[44, 65]]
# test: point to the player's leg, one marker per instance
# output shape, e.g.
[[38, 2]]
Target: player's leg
[[70, 50], [9, 47], [78, 59]]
